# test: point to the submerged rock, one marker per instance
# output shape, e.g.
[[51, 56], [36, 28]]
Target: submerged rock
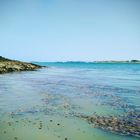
[[123, 125], [7, 65]]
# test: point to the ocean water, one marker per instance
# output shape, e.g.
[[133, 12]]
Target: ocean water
[[41, 105]]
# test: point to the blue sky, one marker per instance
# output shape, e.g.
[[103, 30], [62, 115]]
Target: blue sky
[[76, 30]]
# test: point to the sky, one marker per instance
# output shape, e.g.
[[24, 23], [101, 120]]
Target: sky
[[70, 30]]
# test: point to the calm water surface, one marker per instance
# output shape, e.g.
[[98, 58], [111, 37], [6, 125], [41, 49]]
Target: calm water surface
[[40, 105]]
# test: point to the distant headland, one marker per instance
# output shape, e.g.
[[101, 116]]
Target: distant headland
[[8, 65], [115, 61], [106, 61]]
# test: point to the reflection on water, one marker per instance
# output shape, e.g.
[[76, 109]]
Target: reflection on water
[[41, 105]]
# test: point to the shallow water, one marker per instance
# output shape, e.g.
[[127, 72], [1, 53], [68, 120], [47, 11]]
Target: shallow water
[[42, 104]]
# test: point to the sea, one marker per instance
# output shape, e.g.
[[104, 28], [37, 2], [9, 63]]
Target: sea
[[44, 104]]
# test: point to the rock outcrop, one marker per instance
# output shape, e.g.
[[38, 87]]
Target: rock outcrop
[[7, 65]]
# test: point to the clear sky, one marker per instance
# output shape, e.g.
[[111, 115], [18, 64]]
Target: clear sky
[[74, 30]]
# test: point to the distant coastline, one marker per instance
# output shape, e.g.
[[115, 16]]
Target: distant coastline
[[106, 61], [115, 61]]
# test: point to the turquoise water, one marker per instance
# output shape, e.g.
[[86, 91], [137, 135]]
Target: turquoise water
[[40, 105]]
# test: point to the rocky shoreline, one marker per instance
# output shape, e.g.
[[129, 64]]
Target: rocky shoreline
[[7, 65]]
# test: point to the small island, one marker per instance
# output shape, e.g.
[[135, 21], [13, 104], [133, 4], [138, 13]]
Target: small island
[[8, 65]]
